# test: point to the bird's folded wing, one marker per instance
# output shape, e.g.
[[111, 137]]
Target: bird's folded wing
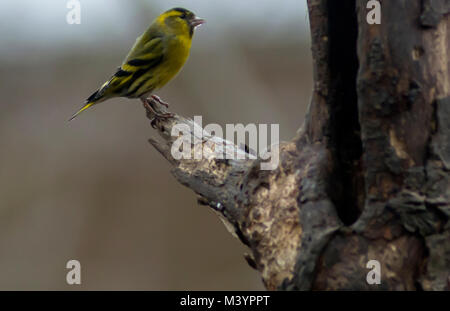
[[144, 53], [135, 69]]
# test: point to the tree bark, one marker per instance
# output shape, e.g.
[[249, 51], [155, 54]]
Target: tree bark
[[367, 175]]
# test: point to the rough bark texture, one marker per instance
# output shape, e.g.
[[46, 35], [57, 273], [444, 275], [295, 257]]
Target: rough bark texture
[[366, 177]]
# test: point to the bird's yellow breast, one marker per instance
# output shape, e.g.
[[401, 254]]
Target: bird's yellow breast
[[177, 53]]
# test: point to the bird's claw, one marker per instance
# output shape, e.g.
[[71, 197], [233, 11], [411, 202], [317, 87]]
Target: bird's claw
[[156, 115], [159, 100]]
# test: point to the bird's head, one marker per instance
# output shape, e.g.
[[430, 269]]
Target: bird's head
[[180, 21]]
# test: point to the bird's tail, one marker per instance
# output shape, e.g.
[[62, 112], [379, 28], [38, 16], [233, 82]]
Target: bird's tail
[[92, 100], [81, 110]]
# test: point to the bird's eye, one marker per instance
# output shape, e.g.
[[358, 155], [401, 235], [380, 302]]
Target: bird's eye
[[183, 15]]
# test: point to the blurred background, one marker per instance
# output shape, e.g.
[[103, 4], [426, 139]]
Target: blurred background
[[93, 189]]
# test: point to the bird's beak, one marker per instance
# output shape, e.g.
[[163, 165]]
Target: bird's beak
[[197, 22]]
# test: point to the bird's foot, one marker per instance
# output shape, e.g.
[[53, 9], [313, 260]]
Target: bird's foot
[[159, 100], [148, 106]]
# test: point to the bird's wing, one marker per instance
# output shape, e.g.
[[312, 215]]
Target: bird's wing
[[144, 53]]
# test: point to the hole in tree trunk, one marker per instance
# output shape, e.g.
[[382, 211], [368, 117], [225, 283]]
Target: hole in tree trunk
[[347, 184]]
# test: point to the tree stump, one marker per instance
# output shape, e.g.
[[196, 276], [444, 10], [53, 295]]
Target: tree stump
[[367, 175]]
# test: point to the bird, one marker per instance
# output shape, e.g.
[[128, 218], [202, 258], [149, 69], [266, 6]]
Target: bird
[[155, 59]]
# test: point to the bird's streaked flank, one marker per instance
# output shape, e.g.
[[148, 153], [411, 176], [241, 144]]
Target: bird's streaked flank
[[156, 57]]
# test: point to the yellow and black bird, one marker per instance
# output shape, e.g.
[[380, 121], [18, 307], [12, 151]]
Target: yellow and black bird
[[156, 57]]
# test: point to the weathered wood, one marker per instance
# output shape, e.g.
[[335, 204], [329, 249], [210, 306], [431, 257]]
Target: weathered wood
[[368, 174]]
